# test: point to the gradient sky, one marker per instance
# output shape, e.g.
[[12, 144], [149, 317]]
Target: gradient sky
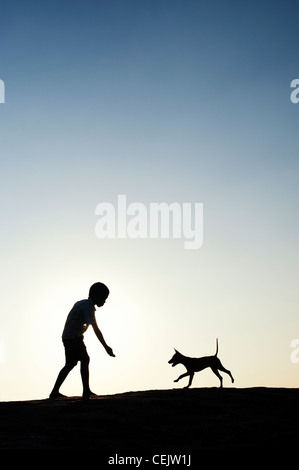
[[162, 101]]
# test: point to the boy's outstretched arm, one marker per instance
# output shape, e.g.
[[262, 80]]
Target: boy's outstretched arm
[[100, 337]]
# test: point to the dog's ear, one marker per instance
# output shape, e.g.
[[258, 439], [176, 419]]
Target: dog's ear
[[175, 350]]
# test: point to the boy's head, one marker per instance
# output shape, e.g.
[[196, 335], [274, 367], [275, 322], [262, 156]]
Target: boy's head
[[98, 293]]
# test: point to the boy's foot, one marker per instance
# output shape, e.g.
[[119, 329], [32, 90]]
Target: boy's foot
[[88, 394], [56, 395]]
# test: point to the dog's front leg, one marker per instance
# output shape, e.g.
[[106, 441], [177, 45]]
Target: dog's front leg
[[181, 376], [191, 374]]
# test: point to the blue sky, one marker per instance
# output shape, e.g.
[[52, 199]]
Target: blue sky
[[163, 101]]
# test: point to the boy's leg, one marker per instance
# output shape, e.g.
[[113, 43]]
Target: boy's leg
[[85, 376], [75, 351], [70, 347], [84, 370], [60, 379]]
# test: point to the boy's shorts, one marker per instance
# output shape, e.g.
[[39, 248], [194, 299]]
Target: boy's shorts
[[75, 350]]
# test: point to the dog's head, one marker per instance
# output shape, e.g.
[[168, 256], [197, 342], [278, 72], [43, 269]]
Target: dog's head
[[176, 358]]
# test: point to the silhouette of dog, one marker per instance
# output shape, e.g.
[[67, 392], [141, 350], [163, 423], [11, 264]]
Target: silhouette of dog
[[193, 365]]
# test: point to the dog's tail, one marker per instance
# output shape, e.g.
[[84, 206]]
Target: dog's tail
[[216, 347]]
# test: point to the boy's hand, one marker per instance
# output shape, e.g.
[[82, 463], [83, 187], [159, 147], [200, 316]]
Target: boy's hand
[[109, 351]]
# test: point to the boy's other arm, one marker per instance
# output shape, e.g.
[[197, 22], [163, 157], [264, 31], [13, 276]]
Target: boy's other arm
[[100, 337]]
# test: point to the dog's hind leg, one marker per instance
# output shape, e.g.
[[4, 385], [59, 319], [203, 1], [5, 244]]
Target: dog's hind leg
[[218, 375], [226, 371]]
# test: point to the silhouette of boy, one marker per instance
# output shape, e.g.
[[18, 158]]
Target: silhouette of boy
[[78, 320]]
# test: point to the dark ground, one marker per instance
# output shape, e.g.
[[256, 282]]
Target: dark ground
[[166, 421]]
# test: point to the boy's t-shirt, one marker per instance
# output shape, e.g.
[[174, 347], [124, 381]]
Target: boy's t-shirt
[[80, 317]]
